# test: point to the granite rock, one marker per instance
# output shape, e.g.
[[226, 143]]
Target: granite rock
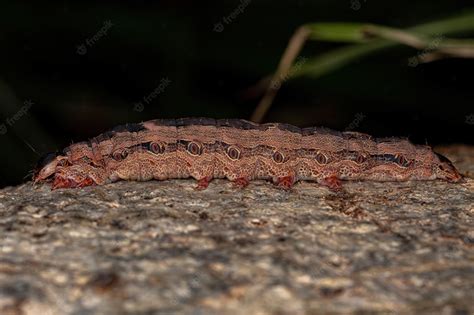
[[165, 248]]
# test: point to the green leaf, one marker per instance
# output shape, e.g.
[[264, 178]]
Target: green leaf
[[347, 32]]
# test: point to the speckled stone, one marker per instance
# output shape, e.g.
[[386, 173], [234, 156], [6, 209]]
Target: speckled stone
[[165, 248]]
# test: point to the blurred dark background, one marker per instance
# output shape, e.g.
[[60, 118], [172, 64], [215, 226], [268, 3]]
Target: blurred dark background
[[72, 69]]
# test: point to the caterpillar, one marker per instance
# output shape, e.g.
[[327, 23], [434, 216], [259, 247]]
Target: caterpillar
[[241, 151]]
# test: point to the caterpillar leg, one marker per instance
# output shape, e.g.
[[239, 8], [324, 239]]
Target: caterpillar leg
[[78, 176], [285, 182], [203, 183], [241, 182], [332, 182]]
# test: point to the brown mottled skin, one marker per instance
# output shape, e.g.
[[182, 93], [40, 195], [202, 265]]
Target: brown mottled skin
[[241, 151]]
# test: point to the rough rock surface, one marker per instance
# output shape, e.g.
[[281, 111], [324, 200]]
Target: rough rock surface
[[164, 248]]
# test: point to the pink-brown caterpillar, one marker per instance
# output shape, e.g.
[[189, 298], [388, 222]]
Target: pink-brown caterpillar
[[240, 151]]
